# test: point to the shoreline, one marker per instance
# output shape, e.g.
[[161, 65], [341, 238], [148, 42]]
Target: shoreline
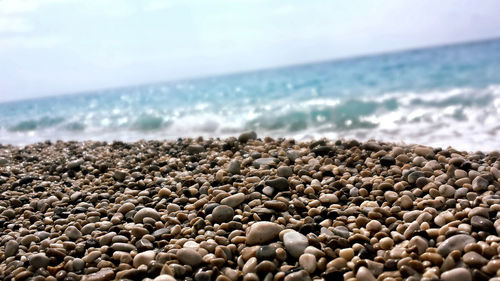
[[248, 208]]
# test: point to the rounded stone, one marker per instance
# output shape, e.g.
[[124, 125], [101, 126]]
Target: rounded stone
[[308, 262], [481, 223], [144, 258], [78, 264], [386, 243], [72, 232], [364, 274], [146, 213], [456, 242], [11, 248], [374, 226], [222, 213], [461, 274], [284, 171], [474, 259], [295, 243], [262, 232], [39, 260], [234, 167], [266, 253], [165, 277], [234, 200], [189, 256], [246, 136]]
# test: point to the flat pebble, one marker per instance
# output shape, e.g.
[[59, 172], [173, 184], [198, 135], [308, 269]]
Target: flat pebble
[[295, 243], [189, 257], [461, 274], [222, 213], [262, 232]]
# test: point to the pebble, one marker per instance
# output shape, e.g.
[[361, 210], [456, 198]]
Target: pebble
[[144, 258], [308, 262], [189, 257], [11, 248], [104, 274], [284, 171], [222, 213], [234, 167], [301, 275], [481, 223], [474, 259], [461, 274], [227, 210], [266, 253], [39, 260], [295, 243], [456, 242], [234, 200], [262, 232], [78, 264], [246, 136], [146, 213], [364, 274], [73, 233], [280, 183]]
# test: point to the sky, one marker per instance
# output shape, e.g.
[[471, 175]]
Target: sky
[[50, 47]]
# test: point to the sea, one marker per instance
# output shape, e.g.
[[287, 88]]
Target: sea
[[440, 96]]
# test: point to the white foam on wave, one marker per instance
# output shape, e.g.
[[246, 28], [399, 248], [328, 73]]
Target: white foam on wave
[[464, 118]]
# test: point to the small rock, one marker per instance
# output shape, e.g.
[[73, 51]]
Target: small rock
[[473, 259], [234, 200], [146, 213], [387, 161], [11, 248], [75, 164], [144, 258], [165, 277], [120, 175], [301, 275], [189, 256], [292, 155], [426, 152], [280, 183], [234, 167], [264, 162], [481, 223], [479, 184], [104, 274], [246, 136], [456, 242], [125, 247], [266, 253], [222, 213], [78, 264], [284, 171], [262, 232], [73, 233], [195, 149], [461, 274], [308, 262], [364, 274], [39, 260], [328, 198], [295, 243]]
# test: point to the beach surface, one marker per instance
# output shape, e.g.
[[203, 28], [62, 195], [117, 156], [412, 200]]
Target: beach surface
[[248, 208]]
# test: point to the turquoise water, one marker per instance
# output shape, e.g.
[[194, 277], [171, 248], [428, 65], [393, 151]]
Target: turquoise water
[[438, 96]]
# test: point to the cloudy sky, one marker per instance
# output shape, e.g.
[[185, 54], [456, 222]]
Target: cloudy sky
[[52, 47]]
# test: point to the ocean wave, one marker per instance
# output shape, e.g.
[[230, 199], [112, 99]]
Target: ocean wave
[[466, 118]]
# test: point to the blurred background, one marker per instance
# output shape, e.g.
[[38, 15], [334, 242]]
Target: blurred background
[[414, 71]]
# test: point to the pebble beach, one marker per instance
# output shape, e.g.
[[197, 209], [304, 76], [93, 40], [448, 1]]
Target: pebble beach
[[248, 208]]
